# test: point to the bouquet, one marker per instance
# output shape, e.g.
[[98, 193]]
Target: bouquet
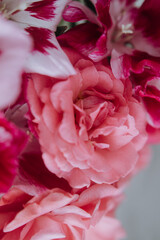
[[79, 109]]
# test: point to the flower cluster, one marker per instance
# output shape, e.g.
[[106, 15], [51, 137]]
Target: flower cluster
[[79, 106]]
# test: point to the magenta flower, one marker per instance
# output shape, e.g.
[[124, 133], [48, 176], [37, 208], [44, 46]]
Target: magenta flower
[[143, 71], [12, 141], [122, 25]]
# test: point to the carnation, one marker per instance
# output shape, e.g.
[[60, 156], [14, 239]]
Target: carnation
[[143, 72], [55, 213], [89, 126], [79, 105]]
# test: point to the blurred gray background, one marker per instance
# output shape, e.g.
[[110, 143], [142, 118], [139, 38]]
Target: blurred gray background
[[140, 211]]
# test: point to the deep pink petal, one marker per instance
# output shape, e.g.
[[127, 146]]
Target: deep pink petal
[[149, 15], [102, 7], [42, 9], [42, 38], [75, 11], [12, 141], [85, 43], [35, 172], [154, 135]]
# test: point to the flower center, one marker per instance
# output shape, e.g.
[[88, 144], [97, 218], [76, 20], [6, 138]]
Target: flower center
[[3, 10], [93, 107], [7, 12], [123, 34]]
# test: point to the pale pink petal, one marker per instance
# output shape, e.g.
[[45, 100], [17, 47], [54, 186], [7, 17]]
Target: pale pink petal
[[49, 215], [36, 230], [33, 210], [13, 53], [106, 229], [78, 179], [96, 192]]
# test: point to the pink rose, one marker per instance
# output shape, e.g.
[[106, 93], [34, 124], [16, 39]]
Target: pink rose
[[89, 126], [54, 214]]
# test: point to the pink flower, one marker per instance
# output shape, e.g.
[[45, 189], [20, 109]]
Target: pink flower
[[122, 25], [53, 214], [12, 141], [13, 53], [89, 126], [40, 19], [144, 73]]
